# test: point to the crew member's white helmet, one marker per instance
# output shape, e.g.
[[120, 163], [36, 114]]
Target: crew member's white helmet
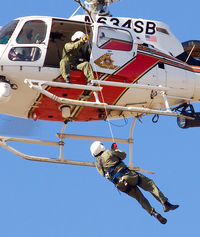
[[96, 148], [77, 35]]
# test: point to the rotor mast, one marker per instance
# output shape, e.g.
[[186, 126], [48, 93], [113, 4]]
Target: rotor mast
[[97, 7]]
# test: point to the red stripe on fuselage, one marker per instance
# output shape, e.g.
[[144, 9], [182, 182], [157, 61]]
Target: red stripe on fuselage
[[129, 73], [47, 109]]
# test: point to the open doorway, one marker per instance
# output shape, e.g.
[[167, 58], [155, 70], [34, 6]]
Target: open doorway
[[61, 33]]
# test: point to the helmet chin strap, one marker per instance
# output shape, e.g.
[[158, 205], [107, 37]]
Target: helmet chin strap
[[99, 154]]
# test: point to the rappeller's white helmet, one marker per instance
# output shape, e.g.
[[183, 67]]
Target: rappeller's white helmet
[[96, 148], [78, 35]]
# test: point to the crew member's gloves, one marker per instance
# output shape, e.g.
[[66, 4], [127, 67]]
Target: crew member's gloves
[[114, 146], [86, 37]]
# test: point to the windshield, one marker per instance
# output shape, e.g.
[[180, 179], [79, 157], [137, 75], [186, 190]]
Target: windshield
[[33, 32], [6, 32]]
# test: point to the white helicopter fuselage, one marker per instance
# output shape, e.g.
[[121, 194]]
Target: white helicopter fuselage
[[123, 50]]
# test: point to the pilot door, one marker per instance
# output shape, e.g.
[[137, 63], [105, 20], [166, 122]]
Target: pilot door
[[28, 45], [112, 48]]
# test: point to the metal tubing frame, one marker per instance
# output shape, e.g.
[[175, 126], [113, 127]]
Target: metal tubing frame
[[92, 138], [163, 93], [129, 85], [61, 160], [37, 85], [129, 141]]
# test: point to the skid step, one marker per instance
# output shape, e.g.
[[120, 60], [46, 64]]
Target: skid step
[[33, 83]]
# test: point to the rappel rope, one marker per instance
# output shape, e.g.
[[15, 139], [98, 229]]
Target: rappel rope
[[107, 118], [75, 11], [190, 53]]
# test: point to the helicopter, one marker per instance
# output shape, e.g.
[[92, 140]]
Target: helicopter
[[140, 69]]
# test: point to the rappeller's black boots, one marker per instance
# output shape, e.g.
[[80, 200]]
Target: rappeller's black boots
[[159, 217], [169, 207]]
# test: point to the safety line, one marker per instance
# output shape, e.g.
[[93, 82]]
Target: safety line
[[97, 76]]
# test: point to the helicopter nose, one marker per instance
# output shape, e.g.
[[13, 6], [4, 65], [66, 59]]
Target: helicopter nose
[[2, 49]]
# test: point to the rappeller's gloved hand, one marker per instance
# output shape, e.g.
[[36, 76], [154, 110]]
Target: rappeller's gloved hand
[[114, 146], [86, 37]]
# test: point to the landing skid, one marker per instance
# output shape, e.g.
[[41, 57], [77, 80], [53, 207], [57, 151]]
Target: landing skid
[[39, 86], [61, 160]]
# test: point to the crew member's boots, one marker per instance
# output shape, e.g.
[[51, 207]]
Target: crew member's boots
[[159, 217], [90, 83], [169, 207], [86, 93], [68, 79]]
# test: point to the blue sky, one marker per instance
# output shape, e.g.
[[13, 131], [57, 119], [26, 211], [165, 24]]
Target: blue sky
[[40, 199]]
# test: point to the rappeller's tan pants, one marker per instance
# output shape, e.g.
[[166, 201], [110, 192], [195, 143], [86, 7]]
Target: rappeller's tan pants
[[129, 184], [84, 66]]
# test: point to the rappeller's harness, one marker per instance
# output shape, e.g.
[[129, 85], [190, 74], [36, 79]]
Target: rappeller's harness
[[110, 173], [116, 177]]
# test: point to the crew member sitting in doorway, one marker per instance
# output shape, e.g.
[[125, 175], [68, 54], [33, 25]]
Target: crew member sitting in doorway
[[73, 57]]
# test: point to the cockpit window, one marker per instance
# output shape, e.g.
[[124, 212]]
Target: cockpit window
[[30, 54], [33, 32], [6, 32]]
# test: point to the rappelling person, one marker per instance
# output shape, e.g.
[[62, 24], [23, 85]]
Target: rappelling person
[[75, 56], [110, 165]]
